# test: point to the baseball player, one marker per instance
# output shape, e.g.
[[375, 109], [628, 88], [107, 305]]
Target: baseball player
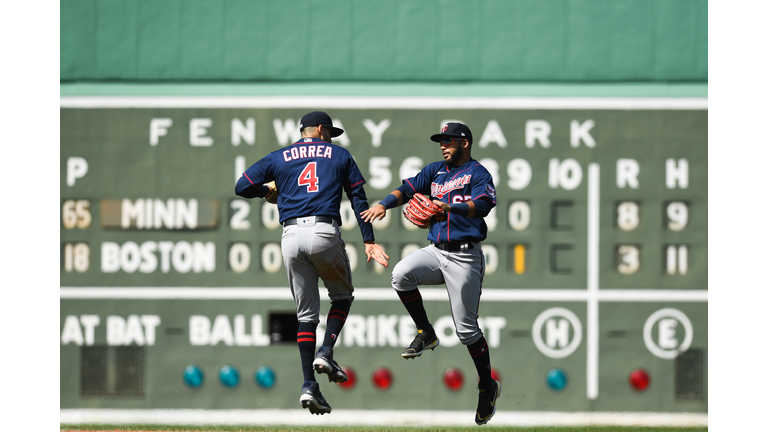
[[463, 195], [309, 177]]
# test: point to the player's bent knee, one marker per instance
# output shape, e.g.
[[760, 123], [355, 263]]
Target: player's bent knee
[[341, 297], [309, 317], [468, 338], [401, 281]]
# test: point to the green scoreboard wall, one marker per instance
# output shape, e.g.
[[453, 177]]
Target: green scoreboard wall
[[596, 254]]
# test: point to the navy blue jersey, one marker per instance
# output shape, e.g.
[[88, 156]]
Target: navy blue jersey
[[467, 182], [309, 175]]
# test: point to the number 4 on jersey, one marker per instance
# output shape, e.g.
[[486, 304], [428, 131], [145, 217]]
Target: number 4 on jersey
[[308, 177]]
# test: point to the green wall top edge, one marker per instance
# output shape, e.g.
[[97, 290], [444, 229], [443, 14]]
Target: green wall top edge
[[630, 89]]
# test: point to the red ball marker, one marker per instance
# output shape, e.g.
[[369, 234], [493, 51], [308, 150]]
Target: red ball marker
[[639, 379], [351, 378], [382, 378], [495, 374], [453, 379]]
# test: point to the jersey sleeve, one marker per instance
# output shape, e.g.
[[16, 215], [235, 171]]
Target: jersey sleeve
[[353, 187], [421, 182], [250, 184], [354, 177], [483, 188], [359, 203]]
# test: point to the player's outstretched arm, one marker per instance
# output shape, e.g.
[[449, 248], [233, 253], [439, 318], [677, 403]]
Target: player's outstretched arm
[[373, 250], [378, 211]]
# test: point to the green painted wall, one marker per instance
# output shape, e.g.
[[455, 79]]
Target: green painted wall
[[398, 40], [122, 163]]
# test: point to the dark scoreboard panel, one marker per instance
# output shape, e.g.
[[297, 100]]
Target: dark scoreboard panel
[[147, 194]]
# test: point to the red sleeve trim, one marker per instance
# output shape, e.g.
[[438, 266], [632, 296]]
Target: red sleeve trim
[[484, 195], [249, 179]]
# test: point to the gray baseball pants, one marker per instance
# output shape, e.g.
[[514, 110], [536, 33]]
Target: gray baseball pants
[[313, 250], [461, 272]]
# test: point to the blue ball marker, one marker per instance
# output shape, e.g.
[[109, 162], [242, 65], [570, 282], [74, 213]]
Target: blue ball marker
[[557, 379], [229, 376], [193, 376], [265, 377]]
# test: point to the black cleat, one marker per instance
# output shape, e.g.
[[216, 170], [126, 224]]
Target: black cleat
[[421, 342], [486, 402], [325, 364], [312, 398]]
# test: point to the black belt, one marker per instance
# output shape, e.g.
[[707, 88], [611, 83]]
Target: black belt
[[453, 246], [295, 221]]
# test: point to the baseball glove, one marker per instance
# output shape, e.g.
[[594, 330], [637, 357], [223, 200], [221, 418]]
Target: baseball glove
[[422, 212], [271, 196]]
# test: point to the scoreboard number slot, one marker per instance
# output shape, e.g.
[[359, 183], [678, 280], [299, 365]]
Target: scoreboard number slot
[[519, 215], [561, 215], [628, 259], [628, 215], [271, 257], [270, 217], [491, 258], [76, 257], [676, 259], [76, 214], [518, 258], [239, 257], [676, 215], [241, 210]]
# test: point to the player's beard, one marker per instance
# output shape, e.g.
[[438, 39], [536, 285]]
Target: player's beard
[[455, 156]]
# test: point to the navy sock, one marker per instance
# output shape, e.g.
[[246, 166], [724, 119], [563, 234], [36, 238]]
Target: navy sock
[[306, 340], [482, 358], [415, 307], [335, 321]]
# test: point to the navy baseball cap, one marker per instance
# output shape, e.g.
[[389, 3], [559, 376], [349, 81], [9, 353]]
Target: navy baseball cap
[[453, 130], [316, 118]]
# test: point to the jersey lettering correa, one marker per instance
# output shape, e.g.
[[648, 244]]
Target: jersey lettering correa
[[309, 151]]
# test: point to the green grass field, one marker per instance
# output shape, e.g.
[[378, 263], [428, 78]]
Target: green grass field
[[138, 427]]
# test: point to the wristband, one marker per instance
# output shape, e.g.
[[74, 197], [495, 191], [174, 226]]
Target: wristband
[[389, 202], [461, 209]]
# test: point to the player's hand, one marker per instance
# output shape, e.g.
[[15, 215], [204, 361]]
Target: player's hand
[[443, 205], [372, 250], [271, 196], [376, 212]]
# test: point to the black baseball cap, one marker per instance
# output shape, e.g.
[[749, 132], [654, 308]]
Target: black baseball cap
[[453, 130], [316, 118]]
